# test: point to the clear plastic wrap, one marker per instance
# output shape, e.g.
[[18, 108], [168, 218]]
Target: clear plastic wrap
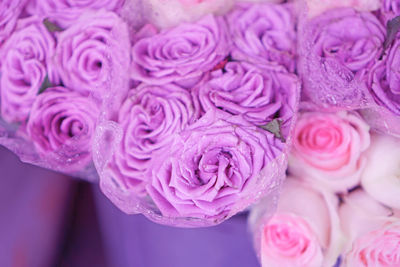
[[54, 68], [201, 133], [351, 67], [306, 221]]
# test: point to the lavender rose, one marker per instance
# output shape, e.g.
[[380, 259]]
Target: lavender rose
[[9, 13], [384, 80], [263, 33], [181, 54], [93, 51], [26, 61], [390, 9], [61, 124], [336, 57], [149, 117], [212, 166], [257, 94], [66, 12]]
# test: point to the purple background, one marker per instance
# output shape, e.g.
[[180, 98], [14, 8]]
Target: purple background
[[48, 219]]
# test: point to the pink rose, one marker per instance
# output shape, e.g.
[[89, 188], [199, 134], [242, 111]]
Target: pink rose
[[305, 230], [316, 7], [168, 13], [25, 63], [372, 231], [328, 149], [380, 178]]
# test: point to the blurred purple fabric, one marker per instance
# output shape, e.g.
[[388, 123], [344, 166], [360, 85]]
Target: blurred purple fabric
[[48, 219], [132, 240], [33, 206]]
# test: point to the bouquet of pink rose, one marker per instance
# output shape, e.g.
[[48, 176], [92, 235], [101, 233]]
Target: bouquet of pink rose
[[340, 204], [187, 125]]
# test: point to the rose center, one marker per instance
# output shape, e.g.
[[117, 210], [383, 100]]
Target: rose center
[[287, 240], [214, 162]]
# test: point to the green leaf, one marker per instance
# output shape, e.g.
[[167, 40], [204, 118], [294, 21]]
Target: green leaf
[[274, 127], [51, 27], [45, 84]]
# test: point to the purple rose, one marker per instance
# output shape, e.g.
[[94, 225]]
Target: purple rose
[[263, 33], [390, 9], [181, 54], [66, 12], [258, 94], [61, 124], [149, 117], [92, 52], [384, 80], [335, 57], [25, 62], [213, 167], [9, 13]]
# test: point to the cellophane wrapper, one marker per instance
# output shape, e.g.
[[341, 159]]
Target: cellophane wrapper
[[348, 58], [53, 71], [169, 183]]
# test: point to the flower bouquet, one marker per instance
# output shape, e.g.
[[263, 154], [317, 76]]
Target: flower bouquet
[[187, 122], [188, 112]]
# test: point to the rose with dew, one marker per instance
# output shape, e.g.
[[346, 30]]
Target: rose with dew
[[214, 168], [381, 175], [61, 124], [93, 53], [181, 55], [66, 12], [25, 65], [328, 149], [304, 231], [149, 117], [372, 230], [260, 95], [264, 34]]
